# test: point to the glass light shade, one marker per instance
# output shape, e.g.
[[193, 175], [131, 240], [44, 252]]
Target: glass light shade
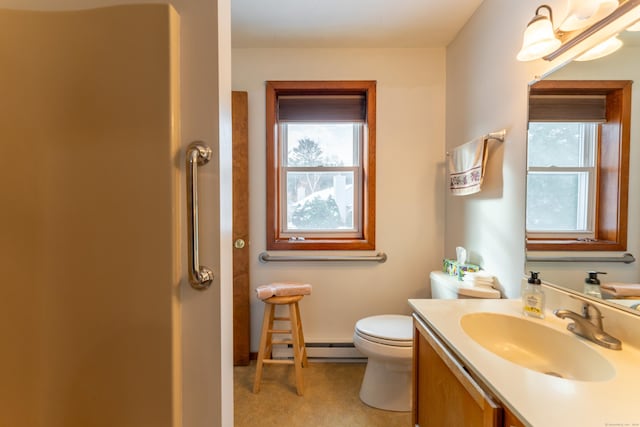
[[584, 13], [634, 27], [603, 49], [539, 39]]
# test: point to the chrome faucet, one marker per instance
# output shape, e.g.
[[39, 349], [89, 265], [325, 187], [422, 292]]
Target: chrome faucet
[[589, 326]]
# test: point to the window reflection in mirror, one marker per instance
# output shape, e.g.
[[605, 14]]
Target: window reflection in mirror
[[561, 179], [622, 65], [578, 165]]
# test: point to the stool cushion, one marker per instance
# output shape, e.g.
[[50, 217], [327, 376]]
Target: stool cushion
[[282, 289]]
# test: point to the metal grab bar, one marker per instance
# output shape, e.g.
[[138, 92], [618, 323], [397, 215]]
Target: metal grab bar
[[626, 258], [198, 153], [265, 257]]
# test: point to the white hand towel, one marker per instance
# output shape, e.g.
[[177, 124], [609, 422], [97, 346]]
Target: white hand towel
[[466, 167], [481, 286], [478, 279], [474, 277], [481, 275]]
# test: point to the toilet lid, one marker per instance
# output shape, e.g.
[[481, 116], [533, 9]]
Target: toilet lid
[[389, 329]]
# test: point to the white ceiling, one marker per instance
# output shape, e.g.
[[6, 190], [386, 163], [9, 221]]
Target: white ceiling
[[348, 23]]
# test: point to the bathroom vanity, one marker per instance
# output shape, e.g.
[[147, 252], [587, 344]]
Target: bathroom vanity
[[481, 363], [444, 390]]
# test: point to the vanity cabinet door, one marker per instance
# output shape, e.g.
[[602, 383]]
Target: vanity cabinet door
[[510, 420], [444, 392]]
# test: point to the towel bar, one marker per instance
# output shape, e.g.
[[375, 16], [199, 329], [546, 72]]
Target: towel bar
[[496, 136]]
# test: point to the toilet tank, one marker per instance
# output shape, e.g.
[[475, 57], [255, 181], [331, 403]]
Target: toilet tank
[[444, 286]]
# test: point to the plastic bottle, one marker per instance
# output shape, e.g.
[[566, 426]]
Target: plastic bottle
[[592, 284], [533, 297]]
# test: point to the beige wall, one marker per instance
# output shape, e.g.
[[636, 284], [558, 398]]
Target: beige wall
[[487, 91], [410, 155]]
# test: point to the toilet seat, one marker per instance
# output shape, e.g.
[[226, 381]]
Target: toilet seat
[[389, 329]]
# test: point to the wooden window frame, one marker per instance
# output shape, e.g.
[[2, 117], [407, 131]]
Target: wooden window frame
[[612, 199], [366, 237]]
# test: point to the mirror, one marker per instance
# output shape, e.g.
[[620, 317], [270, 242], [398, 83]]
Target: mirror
[[621, 65]]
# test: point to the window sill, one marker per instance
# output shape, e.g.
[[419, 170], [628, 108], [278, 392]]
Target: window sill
[[319, 244], [574, 245]]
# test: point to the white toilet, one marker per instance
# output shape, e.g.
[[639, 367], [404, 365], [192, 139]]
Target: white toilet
[[387, 340]]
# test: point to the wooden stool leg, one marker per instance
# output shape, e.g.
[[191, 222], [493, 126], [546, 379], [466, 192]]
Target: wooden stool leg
[[305, 362], [264, 342], [268, 348], [297, 356]]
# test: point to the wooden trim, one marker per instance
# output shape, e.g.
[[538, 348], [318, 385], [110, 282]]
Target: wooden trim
[[272, 164], [241, 294], [275, 239], [613, 165], [415, 376], [572, 245], [577, 87]]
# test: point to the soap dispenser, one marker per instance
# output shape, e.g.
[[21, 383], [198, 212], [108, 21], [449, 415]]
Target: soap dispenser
[[533, 297], [592, 284]]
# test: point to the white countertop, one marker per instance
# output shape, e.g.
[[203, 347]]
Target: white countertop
[[537, 399]]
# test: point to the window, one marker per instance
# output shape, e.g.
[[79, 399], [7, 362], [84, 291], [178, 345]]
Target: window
[[561, 179], [320, 165], [578, 165]]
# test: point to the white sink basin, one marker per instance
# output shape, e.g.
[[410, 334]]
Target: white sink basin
[[537, 347]]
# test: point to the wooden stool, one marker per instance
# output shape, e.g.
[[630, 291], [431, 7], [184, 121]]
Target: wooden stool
[[297, 337]]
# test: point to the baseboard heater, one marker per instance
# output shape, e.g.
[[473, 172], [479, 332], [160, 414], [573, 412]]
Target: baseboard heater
[[343, 351]]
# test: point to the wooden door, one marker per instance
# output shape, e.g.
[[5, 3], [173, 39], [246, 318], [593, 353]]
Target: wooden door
[[241, 312], [89, 225]]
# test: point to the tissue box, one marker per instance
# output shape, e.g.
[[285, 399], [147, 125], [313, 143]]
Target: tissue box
[[454, 268]]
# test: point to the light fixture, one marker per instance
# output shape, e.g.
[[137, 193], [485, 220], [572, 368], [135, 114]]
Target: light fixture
[[634, 27], [583, 13], [603, 49], [539, 37]]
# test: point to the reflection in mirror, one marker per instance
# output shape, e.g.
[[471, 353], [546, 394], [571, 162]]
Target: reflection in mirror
[[578, 165], [621, 65]]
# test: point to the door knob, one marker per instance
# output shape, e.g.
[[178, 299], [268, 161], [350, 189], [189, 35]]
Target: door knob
[[238, 244]]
